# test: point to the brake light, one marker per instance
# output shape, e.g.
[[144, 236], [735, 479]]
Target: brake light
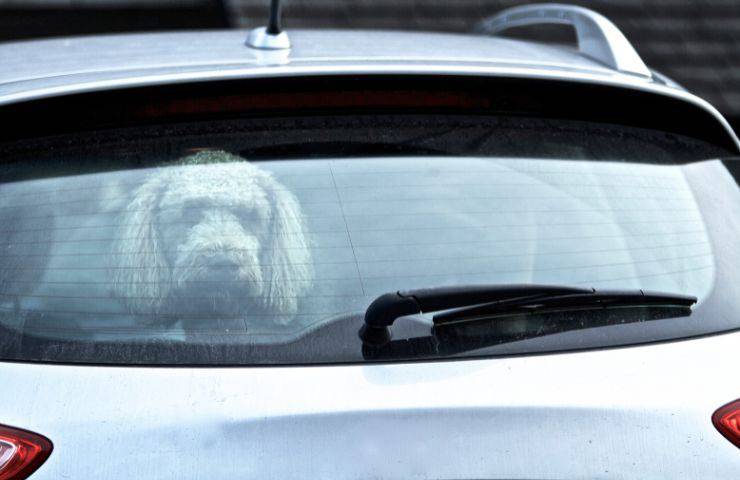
[[21, 452], [727, 421]]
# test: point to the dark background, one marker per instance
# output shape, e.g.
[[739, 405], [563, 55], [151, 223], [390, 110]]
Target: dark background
[[696, 42]]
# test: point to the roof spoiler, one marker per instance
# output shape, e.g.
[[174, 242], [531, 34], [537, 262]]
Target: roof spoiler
[[397, 91]]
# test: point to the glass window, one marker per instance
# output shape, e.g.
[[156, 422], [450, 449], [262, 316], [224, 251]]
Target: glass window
[[251, 245]]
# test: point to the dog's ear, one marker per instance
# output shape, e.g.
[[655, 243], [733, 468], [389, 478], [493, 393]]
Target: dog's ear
[[286, 253], [141, 275]]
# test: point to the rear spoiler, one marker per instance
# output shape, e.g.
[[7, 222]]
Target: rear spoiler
[[656, 107]]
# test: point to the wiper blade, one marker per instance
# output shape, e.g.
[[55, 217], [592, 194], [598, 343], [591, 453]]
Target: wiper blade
[[484, 301], [588, 300]]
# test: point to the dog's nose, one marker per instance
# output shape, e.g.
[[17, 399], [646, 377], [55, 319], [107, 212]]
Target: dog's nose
[[222, 260], [221, 268], [217, 271]]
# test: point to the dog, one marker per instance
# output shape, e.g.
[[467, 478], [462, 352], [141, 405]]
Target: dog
[[214, 236]]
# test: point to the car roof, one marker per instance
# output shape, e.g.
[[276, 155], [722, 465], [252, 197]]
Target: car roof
[[38, 64], [180, 49], [53, 67]]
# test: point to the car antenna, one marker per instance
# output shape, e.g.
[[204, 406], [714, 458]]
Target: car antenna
[[271, 37]]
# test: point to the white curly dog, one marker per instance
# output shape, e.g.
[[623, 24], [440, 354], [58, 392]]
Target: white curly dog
[[216, 236]]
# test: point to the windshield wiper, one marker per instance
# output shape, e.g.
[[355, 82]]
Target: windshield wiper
[[468, 303]]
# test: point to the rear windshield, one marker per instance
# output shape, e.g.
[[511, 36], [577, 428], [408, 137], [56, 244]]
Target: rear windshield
[[263, 241]]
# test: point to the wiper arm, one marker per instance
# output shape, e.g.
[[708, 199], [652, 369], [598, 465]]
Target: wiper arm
[[473, 302]]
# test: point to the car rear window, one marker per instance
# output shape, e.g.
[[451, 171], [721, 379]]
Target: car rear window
[[262, 241]]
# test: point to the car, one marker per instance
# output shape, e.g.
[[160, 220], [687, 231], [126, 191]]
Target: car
[[365, 254]]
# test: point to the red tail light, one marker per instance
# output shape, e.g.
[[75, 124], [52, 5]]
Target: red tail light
[[727, 421], [21, 453]]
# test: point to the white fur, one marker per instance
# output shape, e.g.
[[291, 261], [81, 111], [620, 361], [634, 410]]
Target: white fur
[[269, 251]]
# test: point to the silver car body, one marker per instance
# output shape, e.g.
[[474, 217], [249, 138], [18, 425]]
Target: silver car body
[[633, 412], [39, 69]]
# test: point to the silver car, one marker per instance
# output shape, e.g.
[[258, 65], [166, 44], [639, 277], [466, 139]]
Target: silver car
[[364, 255]]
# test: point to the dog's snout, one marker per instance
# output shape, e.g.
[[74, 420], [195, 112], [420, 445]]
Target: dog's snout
[[223, 260]]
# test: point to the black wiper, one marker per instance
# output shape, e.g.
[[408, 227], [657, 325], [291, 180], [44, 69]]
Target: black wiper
[[485, 301]]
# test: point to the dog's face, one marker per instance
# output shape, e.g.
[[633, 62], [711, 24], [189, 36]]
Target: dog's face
[[222, 239], [215, 228]]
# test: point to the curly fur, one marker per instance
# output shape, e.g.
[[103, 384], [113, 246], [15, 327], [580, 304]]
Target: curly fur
[[158, 256]]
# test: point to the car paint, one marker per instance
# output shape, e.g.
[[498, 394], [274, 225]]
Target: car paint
[[636, 412]]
